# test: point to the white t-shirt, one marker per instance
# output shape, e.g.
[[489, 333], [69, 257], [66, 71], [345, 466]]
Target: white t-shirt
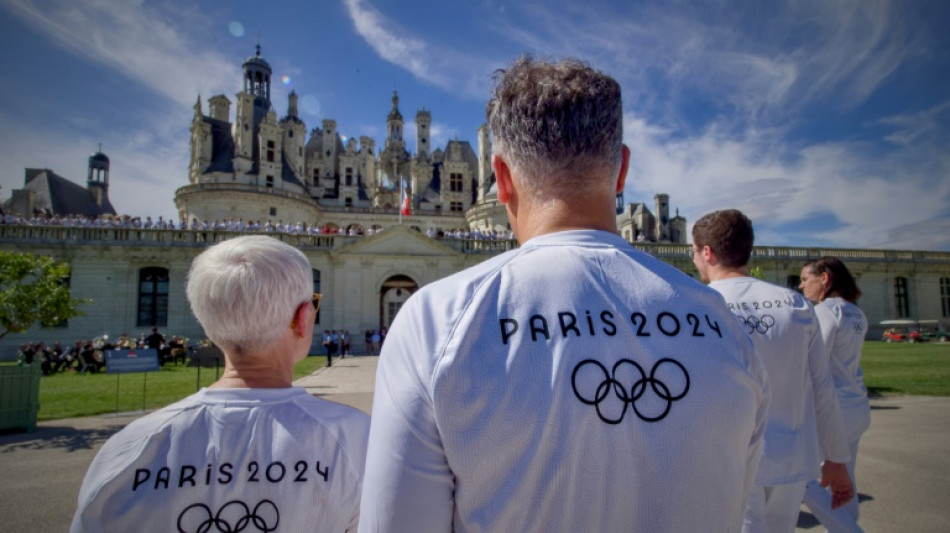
[[572, 384], [226, 458], [843, 328], [805, 424]]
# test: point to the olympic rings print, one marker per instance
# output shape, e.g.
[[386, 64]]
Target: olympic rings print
[[761, 325], [637, 391], [238, 511]]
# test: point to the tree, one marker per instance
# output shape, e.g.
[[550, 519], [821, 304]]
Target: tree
[[32, 290], [756, 272]]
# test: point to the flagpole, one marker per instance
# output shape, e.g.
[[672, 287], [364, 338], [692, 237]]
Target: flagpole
[[402, 193]]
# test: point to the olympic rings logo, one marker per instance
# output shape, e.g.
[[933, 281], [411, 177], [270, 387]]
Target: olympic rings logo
[[762, 325], [234, 511], [637, 391]]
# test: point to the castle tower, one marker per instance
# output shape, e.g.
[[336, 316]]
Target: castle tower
[[98, 177], [484, 162], [220, 108], [423, 123], [253, 103], [201, 142], [662, 217], [394, 124], [294, 136], [257, 77]]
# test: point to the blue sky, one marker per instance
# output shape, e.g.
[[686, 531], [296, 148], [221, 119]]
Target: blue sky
[[827, 122]]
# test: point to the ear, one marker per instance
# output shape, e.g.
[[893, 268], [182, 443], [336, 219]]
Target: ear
[[502, 179], [825, 279], [302, 321], [708, 255], [624, 165]]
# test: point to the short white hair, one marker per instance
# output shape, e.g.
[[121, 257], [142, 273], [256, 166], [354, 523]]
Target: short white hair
[[245, 291]]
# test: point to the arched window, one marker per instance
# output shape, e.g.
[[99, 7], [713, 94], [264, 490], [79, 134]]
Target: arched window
[[153, 297]]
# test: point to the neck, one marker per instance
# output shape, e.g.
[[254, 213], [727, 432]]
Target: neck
[[267, 370], [719, 273], [556, 215]]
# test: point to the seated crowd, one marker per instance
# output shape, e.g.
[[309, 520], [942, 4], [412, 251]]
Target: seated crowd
[[89, 355]]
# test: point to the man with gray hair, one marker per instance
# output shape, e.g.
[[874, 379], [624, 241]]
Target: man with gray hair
[[251, 449], [573, 384]]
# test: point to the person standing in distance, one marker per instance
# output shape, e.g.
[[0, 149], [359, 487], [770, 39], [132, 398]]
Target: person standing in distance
[[829, 285], [572, 384], [250, 451], [804, 424]]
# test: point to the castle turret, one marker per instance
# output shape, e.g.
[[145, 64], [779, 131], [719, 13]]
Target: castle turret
[[662, 217], [394, 125], [294, 135], [98, 177], [484, 162], [253, 103], [423, 123], [220, 108]]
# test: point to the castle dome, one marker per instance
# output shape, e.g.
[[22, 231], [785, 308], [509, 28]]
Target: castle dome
[[257, 61], [99, 157]]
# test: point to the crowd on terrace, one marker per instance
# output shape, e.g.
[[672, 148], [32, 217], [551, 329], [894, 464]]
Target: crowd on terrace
[[230, 225]]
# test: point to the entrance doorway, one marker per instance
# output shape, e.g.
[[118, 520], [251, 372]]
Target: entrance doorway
[[393, 294]]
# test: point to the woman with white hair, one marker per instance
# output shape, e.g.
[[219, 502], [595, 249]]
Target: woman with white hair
[[251, 448]]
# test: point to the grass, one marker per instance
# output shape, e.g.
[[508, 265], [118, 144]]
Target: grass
[[916, 369], [921, 369], [67, 395]]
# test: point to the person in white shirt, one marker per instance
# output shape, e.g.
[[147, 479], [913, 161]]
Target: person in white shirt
[[572, 384], [804, 424], [828, 284], [250, 452]]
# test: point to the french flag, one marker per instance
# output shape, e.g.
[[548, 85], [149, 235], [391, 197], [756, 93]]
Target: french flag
[[404, 209]]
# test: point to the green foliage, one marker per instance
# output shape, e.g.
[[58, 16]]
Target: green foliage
[[756, 272], [32, 291]]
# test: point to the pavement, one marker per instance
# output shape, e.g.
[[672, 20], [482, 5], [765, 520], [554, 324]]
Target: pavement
[[903, 468]]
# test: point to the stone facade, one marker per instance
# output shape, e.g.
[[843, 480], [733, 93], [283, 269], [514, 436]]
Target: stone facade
[[365, 279]]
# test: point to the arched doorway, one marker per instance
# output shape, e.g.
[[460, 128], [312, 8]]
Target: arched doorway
[[392, 295]]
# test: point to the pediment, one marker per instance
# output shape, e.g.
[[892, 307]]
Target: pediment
[[398, 240]]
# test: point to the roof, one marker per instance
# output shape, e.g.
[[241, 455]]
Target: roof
[[287, 172], [222, 146], [56, 195]]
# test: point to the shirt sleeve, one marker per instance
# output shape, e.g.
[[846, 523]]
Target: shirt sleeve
[[829, 326], [831, 438], [408, 485]]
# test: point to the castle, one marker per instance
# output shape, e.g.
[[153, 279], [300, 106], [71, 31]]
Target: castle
[[258, 167], [369, 249]]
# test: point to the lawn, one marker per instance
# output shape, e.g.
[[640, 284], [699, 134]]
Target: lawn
[[69, 394], [900, 368]]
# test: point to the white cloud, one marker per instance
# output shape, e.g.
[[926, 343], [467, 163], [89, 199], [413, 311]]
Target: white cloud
[[156, 49], [868, 192], [144, 170], [438, 65], [152, 46], [753, 63]]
